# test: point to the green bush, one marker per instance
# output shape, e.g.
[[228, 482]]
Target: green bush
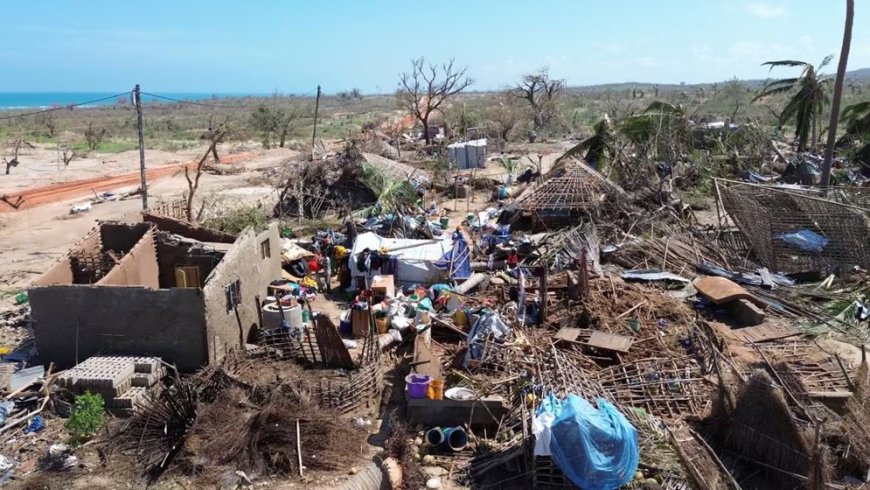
[[236, 220], [86, 417]]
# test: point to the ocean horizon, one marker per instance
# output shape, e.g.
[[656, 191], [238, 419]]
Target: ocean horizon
[[45, 100]]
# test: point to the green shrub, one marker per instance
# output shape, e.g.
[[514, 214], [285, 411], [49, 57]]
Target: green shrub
[[86, 417], [236, 220]]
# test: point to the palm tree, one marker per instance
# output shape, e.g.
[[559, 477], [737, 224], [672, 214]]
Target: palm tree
[[857, 120], [805, 106], [660, 131], [856, 117], [838, 92], [600, 148]]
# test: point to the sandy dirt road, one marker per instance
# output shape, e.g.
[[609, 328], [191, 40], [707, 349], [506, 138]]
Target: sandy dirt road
[[32, 239]]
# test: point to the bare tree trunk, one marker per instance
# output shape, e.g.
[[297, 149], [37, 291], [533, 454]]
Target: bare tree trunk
[[193, 183], [425, 122], [282, 138], [838, 93]]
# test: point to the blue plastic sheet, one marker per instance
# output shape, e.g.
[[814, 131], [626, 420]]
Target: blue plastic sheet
[[460, 259], [36, 425], [806, 240], [596, 448]]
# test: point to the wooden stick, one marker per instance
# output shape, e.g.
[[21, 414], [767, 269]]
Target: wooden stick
[[845, 373], [716, 459], [626, 312], [299, 447]]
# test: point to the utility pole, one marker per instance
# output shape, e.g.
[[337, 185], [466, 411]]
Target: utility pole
[[314, 134], [137, 101]]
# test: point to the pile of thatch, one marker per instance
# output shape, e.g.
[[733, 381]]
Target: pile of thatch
[[260, 435], [224, 416], [316, 189], [856, 426], [762, 430]]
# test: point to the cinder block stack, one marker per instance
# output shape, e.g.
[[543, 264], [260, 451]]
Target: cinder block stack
[[122, 381]]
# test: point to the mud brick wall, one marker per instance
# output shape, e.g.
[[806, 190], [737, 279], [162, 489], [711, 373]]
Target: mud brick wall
[[137, 268]]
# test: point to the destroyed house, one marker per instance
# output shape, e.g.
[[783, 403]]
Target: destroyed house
[[570, 191], [134, 289]]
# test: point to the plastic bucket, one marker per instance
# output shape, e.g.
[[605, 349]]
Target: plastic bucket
[[445, 222], [418, 385], [435, 437], [456, 438], [293, 317]]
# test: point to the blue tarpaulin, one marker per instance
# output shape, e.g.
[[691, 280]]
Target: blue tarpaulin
[[596, 448], [806, 240], [457, 261]]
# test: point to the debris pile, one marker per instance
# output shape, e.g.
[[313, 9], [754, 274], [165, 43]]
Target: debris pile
[[617, 346]]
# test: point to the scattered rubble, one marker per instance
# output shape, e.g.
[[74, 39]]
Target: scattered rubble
[[571, 337]]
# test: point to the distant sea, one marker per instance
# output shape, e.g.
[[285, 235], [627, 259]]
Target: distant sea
[[40, 100]]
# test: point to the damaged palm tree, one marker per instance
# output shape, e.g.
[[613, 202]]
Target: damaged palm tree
[[393, 196]]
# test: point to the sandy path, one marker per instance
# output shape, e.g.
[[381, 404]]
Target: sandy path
[[32, 239]]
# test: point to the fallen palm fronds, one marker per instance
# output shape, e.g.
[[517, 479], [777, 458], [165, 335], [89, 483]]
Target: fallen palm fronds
[[157, 434]]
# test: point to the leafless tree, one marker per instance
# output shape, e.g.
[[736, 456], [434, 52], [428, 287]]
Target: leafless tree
[[94, 136], [427, 87], [65, 147], [216, 136], [505, 115], [50, 124], [541, 93], [15, 144]]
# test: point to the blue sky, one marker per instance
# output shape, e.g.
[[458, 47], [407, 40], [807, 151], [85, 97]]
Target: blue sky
[[257, 47]]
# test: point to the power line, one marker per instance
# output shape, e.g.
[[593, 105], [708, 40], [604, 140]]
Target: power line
[[207, 104], [65, 107], [191, 102]]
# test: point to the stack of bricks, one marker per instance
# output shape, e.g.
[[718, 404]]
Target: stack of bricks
[[122, 381]]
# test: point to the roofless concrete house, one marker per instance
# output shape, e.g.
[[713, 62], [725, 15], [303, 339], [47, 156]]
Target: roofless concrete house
[[186, 296]]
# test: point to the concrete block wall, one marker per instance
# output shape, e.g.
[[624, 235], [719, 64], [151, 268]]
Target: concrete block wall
[[75, 322], [244, 263]]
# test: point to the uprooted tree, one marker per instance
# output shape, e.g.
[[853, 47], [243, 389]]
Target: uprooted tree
[[216, 136], [425, 89], [541, 92]]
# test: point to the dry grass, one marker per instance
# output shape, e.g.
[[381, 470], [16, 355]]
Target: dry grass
[[399, 446]]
